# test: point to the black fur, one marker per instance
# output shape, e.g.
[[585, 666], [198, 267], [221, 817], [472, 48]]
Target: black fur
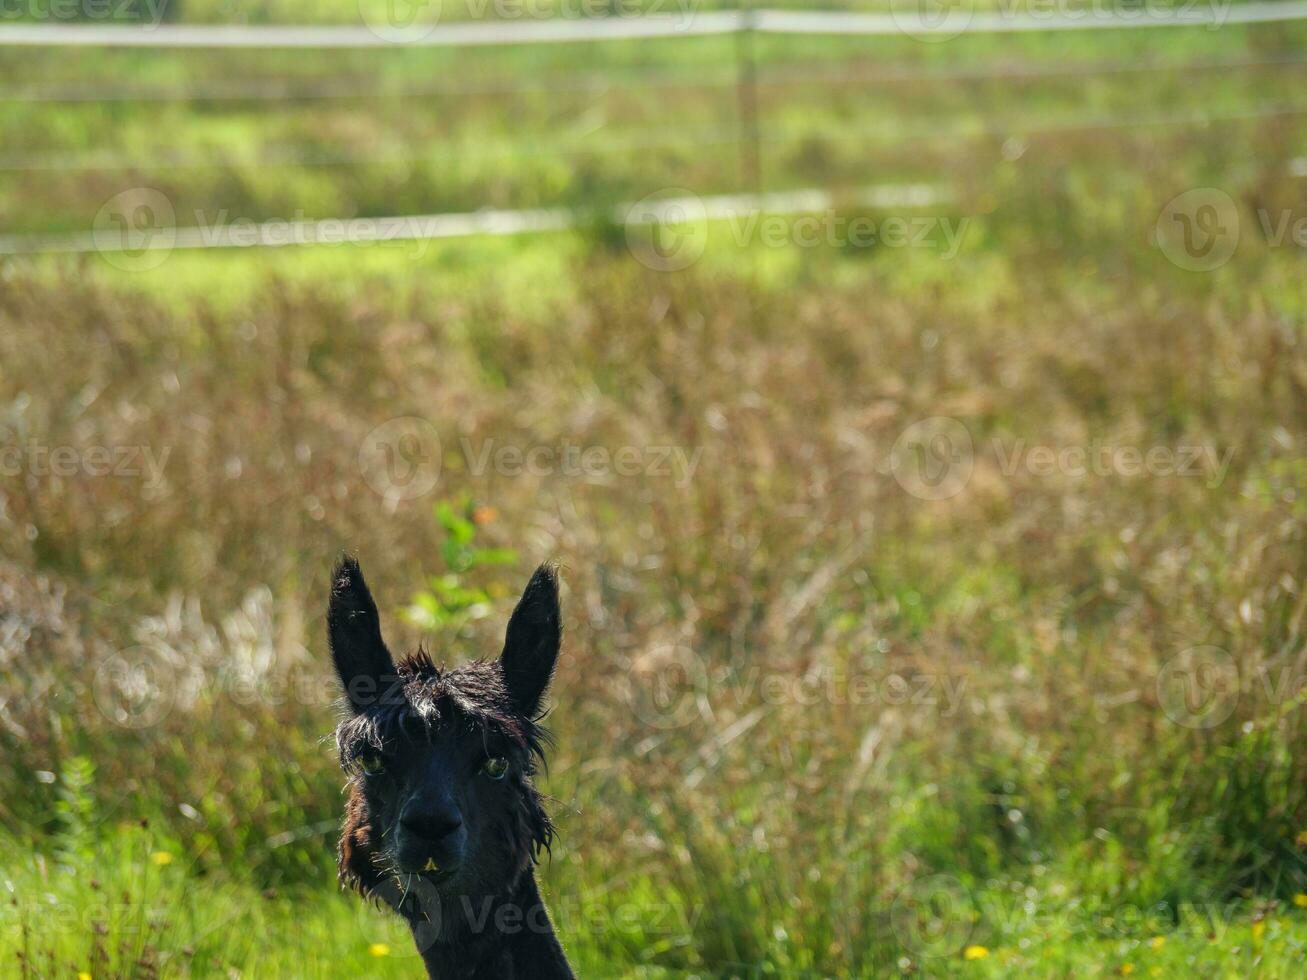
[[430, 831]]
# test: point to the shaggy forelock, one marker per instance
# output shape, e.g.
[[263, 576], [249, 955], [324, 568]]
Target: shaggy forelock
[[473, 694]]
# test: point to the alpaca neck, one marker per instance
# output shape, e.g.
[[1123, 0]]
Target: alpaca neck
[[509, 938]]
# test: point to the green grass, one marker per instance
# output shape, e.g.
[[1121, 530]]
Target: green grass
[[133, 906]]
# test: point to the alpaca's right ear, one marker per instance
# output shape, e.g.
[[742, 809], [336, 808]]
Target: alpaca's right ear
[[535, 631], [354, 633]]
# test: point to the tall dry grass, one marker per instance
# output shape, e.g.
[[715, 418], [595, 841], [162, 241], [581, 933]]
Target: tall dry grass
[[1011, 635]]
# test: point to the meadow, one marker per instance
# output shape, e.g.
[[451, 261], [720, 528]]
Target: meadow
[[931, 610]]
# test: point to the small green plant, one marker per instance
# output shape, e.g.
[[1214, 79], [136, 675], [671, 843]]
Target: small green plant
[[450, 600], [74, 809]]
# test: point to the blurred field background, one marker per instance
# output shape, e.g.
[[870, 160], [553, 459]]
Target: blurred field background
[[1039, 802]]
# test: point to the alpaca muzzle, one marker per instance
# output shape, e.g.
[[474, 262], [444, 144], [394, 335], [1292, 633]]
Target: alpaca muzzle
[[431, 839]]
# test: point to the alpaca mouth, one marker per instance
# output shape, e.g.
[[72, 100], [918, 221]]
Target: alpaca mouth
[[431, 867], [430, 863], [440, 878], [437, 871]]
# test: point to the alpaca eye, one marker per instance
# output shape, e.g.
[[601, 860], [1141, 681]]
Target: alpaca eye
[[495, 767], [372, 763]]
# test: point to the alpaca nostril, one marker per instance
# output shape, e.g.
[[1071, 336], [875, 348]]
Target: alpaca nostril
[[432, 826]]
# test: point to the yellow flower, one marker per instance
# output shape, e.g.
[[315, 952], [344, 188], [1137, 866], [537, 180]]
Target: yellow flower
[[1258, 929], [1127, 969], [975, 953], [1157, 942], [379, 949], [1301, 839], [83, 975], [1300, 901], [161, 858]]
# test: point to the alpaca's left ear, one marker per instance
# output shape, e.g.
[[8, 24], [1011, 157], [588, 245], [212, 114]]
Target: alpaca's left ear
[[535, 632]]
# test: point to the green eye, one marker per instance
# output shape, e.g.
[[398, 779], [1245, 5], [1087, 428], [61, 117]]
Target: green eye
[[372, 763], [495, 767]]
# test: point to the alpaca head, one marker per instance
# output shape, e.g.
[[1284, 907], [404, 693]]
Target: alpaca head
[[440, 761]]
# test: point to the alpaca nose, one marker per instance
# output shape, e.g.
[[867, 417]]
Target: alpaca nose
[[433, 824]]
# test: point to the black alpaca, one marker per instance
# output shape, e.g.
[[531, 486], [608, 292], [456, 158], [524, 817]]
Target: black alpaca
[[443, 822]]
